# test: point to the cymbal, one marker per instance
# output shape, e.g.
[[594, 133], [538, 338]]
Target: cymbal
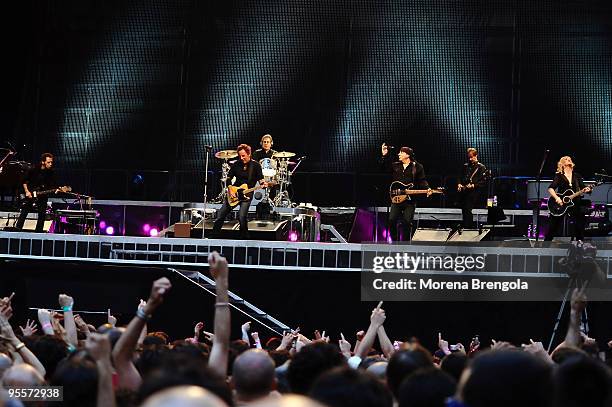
[[283, 154], [226, 154]]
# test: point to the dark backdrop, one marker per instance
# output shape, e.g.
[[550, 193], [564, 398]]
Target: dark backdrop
[[144, 85]]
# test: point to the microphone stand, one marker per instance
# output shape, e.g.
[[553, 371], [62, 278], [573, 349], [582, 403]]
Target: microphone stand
[[537, 208], [208, 150]]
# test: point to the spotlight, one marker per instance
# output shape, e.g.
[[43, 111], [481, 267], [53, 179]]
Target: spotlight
[[110, 230], [153, 232], [102, 224], [146, 228], [293, 236]]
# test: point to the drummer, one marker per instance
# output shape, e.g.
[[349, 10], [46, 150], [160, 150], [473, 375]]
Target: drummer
[[265, 151]]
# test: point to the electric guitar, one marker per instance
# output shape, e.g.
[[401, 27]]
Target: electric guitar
[[568, 200], [37, 194], [241, 193], [400, 192]]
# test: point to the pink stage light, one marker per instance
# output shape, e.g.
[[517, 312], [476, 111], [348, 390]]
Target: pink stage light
[[293, 236], [153, 232], [146, 228], [110, 230], [102, 224]]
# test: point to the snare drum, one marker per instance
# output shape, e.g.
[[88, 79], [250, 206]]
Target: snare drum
[[268, 167]]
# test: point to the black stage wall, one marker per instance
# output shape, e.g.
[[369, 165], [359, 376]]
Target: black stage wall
[[312, 300], [144, 85]]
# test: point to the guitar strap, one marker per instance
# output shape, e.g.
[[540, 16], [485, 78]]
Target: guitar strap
[[250, 172], [413, 171], [474, 173]]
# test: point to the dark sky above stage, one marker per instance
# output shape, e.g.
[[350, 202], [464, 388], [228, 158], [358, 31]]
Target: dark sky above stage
[[146, 84]]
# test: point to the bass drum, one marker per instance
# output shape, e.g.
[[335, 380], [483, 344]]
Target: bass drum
[[268, 168], [12, 175]]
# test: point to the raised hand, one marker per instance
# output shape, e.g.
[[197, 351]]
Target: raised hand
[[198, 328], [98, 346], [359, 335], [246, 326], [218, 266], [159, 289], [5, 306], [537, 349], [286, 341], [443, 344], [209, 335], [30, 328], [378, 317], [501, 345], [66, 301], [579, 299], [255, 336], [384, 149], [111, 319], [81, 325], [345, 346], [460, 348]]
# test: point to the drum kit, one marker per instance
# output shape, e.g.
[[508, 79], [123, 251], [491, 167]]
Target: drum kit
[[275, 170]]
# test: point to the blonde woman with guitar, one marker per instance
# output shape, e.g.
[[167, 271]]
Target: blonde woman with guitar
[[565, 191]]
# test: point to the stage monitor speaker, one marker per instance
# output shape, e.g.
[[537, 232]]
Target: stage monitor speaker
[[469, 235], [431, 235], [182, 230]]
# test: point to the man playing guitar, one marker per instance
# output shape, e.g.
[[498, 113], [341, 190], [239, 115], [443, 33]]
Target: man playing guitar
[[473, 181], [566, 178], [39, 178], [246, 171], [406, 171]]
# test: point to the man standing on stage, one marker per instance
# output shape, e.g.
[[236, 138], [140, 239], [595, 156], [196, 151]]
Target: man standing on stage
[[266, 148], [473, 182], [247, 171], [407, 171], [39, 178]]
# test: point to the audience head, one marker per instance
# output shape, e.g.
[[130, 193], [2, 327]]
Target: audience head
[[172, 368], [379, 370], [403, 363], [426, 387], [454, 364], [78, 375], [310, 362], [583, 381], [506, 378], [253, 375], [346, 387], [22, 375], [50, 350], [184, 396]]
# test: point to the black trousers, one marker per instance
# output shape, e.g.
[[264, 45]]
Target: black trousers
[[468, 200], [404, 213], [242, 217], [38, 205], [555, 223]]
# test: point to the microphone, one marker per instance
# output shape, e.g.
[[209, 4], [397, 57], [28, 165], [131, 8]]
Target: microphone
[[389, 146], [208, 146], [302, 157]]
